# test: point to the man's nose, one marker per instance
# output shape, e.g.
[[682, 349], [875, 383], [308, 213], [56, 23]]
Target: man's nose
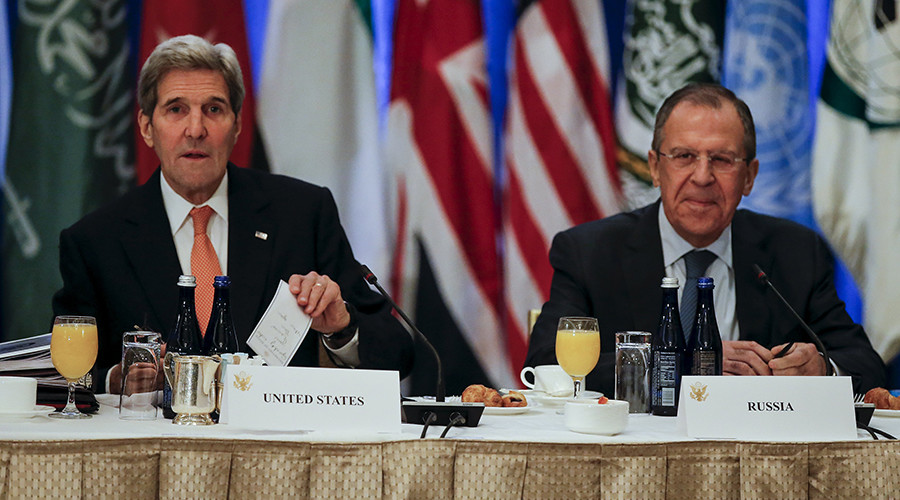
[[196, 126], [703, 171]]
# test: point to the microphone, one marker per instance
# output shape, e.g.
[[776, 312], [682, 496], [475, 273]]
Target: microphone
[[416, 412], [764, 279]]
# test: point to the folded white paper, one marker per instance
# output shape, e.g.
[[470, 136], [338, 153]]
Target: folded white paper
[[281, 329]]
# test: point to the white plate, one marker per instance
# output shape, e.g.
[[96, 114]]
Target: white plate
[[506, 410], [887, 413], [38, 410], [544, 399]]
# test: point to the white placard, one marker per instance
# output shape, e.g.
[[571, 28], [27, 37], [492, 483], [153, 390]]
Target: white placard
[[767, 408], [281, 329], [310, 399]]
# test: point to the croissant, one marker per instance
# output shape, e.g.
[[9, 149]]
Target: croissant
[[492, 398], [477, 393], [514, 399], [474, 394], [882, 399]]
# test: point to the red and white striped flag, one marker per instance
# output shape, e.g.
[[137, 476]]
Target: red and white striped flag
[[440, 153], [217, 21], [560, 146]]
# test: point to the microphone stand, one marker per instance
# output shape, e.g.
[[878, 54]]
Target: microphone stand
[[439, 412], [764, 279]]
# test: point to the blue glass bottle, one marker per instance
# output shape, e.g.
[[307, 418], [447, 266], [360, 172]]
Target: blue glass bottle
[[706, 343]]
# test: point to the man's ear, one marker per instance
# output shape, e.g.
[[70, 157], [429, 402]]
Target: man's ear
[[145, 125], [653, 163], [752, 170]]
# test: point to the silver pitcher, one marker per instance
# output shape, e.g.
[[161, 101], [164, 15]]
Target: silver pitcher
[[193, 382]]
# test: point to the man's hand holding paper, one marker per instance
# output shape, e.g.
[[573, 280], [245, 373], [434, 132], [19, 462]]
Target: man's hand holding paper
[[320, 298]]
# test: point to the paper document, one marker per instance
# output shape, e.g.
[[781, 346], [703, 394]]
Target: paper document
[[281, 329]]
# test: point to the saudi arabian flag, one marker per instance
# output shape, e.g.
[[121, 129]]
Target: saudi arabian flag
[[856, 162], [70, 143], [317, 111], [667, 45]]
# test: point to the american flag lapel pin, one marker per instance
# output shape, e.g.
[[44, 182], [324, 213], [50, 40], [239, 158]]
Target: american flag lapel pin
[[261, 235]]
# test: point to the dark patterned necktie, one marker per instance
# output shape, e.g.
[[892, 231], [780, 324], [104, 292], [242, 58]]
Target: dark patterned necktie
[[697, 261]]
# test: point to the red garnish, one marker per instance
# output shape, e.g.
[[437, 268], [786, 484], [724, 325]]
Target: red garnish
[[603, 400]]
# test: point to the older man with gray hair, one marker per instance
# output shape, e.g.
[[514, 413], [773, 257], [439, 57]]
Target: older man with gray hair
[[199, 214]]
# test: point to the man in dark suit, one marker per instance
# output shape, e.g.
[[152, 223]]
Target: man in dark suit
[[121, 263], [703, 158]]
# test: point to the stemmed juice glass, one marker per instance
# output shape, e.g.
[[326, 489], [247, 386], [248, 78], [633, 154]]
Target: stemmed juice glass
[[577, 347], [73, 350]]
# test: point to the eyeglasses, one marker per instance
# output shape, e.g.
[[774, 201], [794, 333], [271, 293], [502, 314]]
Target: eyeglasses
[[720, 162]]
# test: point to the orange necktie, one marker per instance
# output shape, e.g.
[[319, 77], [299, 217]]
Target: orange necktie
[[204, 265]]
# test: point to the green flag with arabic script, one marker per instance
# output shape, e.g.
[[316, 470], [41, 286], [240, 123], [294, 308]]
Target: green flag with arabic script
[[70, 144]]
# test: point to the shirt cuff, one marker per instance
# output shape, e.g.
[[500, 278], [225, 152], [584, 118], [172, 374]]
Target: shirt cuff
[[346, 356]]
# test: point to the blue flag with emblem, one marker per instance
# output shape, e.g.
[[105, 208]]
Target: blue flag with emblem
[[766, 64]]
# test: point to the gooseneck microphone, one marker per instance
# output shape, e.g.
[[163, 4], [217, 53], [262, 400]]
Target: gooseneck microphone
[[426, 413], [763, 278], [439, 392]]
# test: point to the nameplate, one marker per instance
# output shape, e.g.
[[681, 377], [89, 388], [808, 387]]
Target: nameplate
[[310, 399], [767, 408]]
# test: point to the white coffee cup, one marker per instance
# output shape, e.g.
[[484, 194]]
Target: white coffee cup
[[18, 393], [551, 379]]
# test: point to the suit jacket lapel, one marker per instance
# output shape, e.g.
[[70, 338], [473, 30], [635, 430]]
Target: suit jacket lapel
[[754, 315], [148, 245], [643, 269], [252, 236]]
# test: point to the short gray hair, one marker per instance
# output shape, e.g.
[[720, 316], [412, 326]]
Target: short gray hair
[[189, 52], [710, 95]]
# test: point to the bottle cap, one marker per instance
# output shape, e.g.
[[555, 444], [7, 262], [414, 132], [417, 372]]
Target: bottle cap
[[187, 280], [222, 281], [705, 282], [668, 282]]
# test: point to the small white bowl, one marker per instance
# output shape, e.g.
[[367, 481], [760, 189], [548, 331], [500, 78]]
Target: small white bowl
[[591, 417]]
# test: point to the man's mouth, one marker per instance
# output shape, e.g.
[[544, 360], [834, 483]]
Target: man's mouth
[[195, 155]]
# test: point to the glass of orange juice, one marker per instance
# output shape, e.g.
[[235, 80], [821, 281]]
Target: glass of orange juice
[[73, 350], [577, 347]]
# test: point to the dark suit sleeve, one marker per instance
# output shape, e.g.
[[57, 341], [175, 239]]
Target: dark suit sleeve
[[383, 342], [570, 296], [846, 342]]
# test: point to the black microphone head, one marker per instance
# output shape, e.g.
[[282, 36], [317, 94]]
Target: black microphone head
[[368, 274], [761, 275]]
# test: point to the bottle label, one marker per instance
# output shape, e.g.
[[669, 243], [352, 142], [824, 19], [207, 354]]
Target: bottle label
[[704, 363], [666, 373]]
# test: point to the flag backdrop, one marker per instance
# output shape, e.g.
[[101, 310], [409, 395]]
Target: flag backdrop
[[326, 132], [5, 92], [766, 64], [440, 153], [560, 147], [472, 177], [70, 143], [856, 171]]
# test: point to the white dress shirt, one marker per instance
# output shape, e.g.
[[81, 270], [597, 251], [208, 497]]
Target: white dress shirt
[[720, 270], [182, 225]]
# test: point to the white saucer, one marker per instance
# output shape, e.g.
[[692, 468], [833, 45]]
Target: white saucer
[[506, 410], [38, 410], [545, 399]]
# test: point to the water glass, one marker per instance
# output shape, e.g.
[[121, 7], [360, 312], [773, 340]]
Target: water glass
[[140, 371], [633, 370]]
